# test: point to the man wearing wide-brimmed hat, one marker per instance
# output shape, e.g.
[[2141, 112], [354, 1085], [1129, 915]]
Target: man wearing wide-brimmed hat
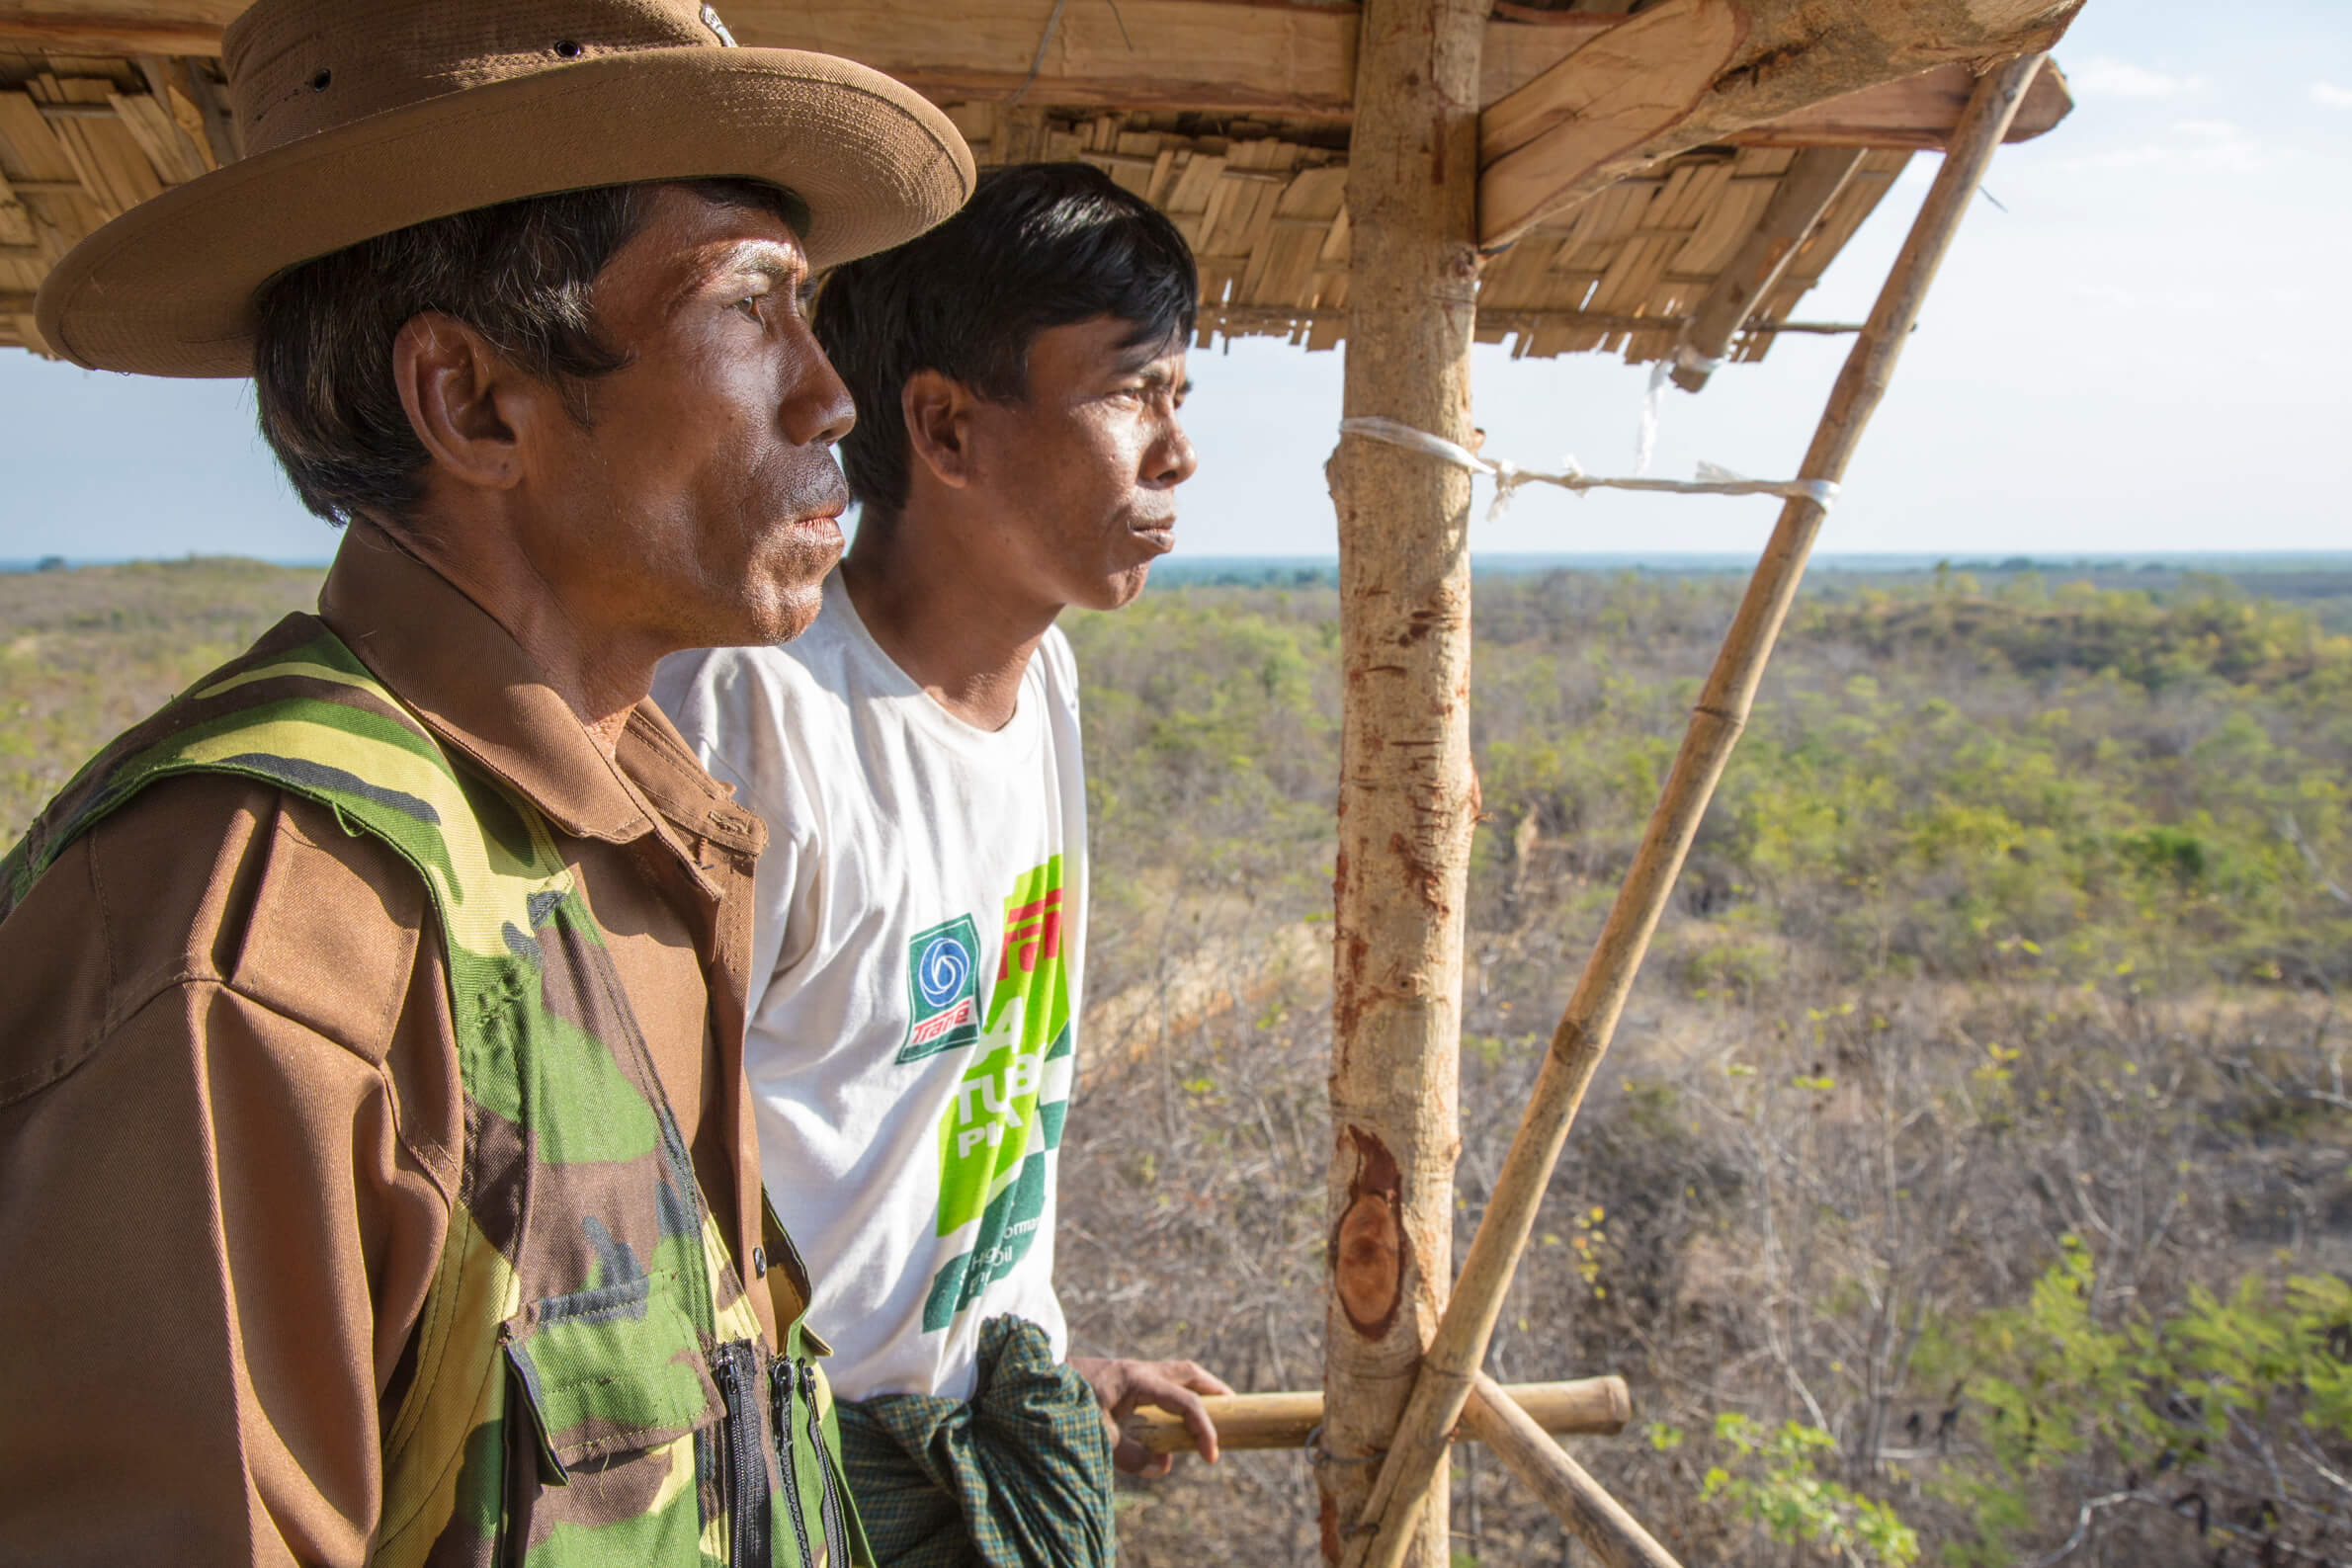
[[376, 1181]]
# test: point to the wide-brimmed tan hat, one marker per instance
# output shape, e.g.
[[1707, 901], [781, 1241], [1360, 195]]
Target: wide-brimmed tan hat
[[362, 116]]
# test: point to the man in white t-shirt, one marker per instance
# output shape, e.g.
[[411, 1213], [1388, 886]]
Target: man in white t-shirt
[[920, 929]]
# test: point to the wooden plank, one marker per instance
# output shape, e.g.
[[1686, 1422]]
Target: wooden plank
[[1199, 54], [1621, 88], [1726, 225], [1689, 72], [1522, 318], [16, 219], [149, 120], [52, 33], [1582, 1407], [1143, 54], [1917, 113], [106, 154]]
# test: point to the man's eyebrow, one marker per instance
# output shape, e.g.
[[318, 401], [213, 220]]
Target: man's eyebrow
[[764, 257], [783, 267]]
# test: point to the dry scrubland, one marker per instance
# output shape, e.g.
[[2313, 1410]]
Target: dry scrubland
[[1972, 1178]]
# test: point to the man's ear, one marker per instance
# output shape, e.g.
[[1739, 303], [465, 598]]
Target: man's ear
[[939, 426], [473, 410]]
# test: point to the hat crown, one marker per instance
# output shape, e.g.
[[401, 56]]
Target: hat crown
[[299, 67]]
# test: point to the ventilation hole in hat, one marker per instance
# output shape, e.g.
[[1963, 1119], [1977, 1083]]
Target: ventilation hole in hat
[[568, 50], [318, 83]]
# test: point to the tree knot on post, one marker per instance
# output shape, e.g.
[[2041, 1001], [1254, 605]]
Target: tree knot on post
[[1368, 1247]]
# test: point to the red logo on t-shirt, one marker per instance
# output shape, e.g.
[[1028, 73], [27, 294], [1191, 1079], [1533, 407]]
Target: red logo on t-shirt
[[1030, 933]]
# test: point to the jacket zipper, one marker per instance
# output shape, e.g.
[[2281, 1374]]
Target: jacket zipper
[[745, 1469], [836, 1534], [780, 1379]]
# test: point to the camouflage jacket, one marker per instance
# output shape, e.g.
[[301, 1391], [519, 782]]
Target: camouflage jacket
[[591, 1385]]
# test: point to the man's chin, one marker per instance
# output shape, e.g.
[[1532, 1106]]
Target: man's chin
[[794, 610], [1121, 589], [793, 579]]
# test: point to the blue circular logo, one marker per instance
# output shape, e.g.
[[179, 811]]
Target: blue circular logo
[[939, 974]]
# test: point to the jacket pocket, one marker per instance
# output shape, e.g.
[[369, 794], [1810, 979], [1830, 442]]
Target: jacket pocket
[[609, 1373]]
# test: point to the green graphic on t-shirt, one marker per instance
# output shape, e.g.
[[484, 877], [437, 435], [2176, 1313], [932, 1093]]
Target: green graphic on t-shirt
[[1007, 1230], [1029, 967], [1008, 1225], [985, 1134], [994, 1135]]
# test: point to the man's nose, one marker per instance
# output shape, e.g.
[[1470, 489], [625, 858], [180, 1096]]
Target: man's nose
[[1172, 458], [817, 409]]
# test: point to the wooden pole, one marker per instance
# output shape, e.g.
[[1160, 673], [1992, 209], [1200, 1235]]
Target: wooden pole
[[1498, 1419], [1813, 182], [1583, 1407], [1407, 799], [1453, 1355]]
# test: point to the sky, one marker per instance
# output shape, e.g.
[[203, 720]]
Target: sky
[[2140, 350]]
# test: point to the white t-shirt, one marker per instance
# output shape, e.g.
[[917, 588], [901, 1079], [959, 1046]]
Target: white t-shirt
[[917, 947]]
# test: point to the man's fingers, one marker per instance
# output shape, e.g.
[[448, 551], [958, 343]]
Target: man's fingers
[[1177, 1400], [1197, 1378], [1133, 1458]]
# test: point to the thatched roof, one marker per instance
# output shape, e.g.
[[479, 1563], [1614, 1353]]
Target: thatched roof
[[1247, 152], [1263, 206]]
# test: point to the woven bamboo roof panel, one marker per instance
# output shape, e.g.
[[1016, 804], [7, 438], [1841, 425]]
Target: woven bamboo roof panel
[[82, 140], [1262, 203], [1261, 199]]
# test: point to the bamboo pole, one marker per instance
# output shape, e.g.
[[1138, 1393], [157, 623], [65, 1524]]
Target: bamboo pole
[[1407, 799], [1497, 1418], [1815, 178], [1582, 1407], [1583, 1036]]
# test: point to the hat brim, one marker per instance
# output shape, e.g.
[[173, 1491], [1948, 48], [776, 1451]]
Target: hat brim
[[167, 289]]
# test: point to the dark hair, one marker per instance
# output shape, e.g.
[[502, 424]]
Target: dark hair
[[1038, 245], [520, 274]]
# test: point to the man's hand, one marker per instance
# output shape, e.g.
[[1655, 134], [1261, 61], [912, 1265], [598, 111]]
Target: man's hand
[[1174, 1386]]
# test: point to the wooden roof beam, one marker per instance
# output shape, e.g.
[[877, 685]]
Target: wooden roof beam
[[1798, 203], [1685, 73], [1918, 113], [116, 27], [1191, 54]]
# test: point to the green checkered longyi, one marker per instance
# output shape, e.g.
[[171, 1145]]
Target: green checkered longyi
[[1018, 1476]]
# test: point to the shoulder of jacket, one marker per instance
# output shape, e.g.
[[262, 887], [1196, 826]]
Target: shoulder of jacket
[[209, 881]]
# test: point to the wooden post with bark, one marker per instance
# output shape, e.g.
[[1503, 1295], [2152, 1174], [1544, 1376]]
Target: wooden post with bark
[[1413, 1467], [1408, 800]]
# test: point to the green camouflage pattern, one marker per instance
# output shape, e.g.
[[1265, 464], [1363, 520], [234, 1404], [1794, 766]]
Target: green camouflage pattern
[[592, 1386]]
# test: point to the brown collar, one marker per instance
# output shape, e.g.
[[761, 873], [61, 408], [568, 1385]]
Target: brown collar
[[474, 685]]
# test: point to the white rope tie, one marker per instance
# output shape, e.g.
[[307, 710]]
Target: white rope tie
[[1508, 476], [1684, 358]]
